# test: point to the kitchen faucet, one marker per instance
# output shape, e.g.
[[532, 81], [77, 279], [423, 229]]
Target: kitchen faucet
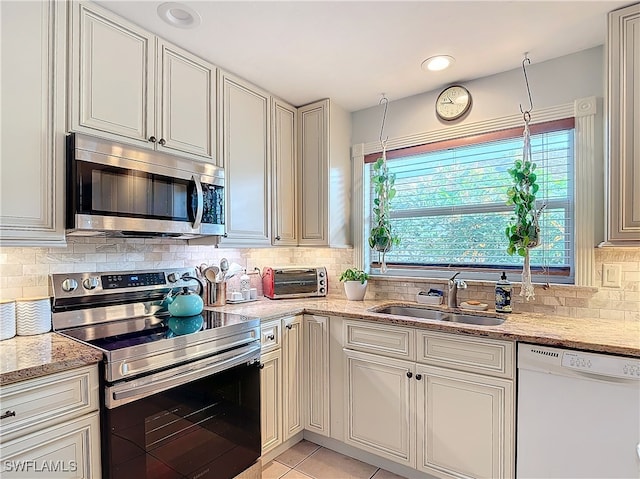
[[454, 285]]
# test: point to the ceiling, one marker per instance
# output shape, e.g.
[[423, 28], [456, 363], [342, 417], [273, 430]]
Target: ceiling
[[352, 51]]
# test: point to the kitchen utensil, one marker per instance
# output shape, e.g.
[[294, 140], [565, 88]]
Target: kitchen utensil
[[224, 267], [211, 273]]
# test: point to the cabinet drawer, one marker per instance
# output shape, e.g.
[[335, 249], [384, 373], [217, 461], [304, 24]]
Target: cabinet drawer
[[49, 400], [481, 355], [392, 341], [71, 449], [270, 335]]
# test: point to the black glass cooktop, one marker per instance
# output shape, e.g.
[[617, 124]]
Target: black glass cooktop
[[133, 332]]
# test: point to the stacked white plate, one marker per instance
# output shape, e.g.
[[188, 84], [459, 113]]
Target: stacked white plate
[[33, 316], [474, 306], [7, 319]]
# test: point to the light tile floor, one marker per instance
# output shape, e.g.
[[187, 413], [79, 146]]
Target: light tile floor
[[307, 460]]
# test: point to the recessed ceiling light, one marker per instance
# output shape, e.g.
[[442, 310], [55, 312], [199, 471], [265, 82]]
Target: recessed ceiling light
[[179, 15], [437, 63]]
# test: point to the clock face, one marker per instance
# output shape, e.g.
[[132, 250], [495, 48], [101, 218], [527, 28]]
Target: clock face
[[453, 102]]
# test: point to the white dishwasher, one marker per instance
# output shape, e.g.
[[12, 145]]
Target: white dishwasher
[[578, 414]]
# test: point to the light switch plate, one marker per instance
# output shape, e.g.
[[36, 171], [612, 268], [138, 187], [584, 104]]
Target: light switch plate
[[611, 275]]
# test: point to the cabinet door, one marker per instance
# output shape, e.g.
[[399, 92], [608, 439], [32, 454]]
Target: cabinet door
[[271, 400], [292, 340], [624, 126], [284, 193], [313, 159], [32, 110], [112, 76], [186, 119], [69, 450], [316, 373], [246, 160], [379, 405], [465, 424]]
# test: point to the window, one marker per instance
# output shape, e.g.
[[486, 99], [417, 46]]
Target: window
[[450, 209]]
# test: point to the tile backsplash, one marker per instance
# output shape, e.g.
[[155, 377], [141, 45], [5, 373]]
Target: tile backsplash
[[24, 273]]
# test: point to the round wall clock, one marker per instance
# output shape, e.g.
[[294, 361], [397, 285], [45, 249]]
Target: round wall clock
[[453, 102]]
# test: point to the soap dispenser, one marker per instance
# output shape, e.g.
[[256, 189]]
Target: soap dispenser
[[503, 295]]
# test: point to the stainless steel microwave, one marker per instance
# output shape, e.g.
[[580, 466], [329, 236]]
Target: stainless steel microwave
[[121, 190]]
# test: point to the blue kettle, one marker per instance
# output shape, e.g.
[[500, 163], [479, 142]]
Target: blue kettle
[[186, 302]]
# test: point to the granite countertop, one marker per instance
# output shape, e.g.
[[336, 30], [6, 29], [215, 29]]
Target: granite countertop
[[596, 335], [28, 357]]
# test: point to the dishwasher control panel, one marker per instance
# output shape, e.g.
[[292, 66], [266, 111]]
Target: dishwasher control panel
[[615, 366]]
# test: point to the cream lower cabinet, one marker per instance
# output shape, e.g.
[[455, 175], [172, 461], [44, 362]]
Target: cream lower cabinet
[[271, 399], [282, 415], [32, 112], [292, 361], [451, 422], [51, 427], [316, 373]]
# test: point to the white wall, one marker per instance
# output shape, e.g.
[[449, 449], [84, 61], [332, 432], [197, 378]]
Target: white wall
[[554, 82]]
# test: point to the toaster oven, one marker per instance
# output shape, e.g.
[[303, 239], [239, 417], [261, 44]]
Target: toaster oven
[[294, 282]]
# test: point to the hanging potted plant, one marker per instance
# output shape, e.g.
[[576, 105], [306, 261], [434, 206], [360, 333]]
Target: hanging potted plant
[[355, 283], [523, 231]]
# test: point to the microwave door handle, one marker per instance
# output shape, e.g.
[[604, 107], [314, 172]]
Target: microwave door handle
[[200, 208]]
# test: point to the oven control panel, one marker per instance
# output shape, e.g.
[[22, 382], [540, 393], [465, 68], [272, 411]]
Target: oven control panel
[[131, 280], [70, 285]]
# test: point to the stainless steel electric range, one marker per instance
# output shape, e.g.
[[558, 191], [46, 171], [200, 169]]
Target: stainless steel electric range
[[180, 396]]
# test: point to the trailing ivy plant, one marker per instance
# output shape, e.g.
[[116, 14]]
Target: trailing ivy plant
[[523, 231], [380, 236]]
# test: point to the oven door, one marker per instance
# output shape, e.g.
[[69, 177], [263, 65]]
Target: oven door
[[199, 421]]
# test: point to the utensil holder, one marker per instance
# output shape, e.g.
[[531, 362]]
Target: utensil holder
[[7, 319], [33, 316], [216, 294]]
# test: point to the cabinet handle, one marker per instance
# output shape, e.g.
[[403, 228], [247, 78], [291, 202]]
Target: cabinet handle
[[278, 238], [271, 337], [152, 139], [261, 366], [409, 374], [8, 414], [289, 326], [162, 141], [418, 377]]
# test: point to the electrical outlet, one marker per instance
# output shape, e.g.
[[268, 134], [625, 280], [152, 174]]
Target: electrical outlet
[[611, 275]]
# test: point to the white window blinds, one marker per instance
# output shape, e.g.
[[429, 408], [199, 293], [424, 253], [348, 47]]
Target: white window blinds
[[450, 208]]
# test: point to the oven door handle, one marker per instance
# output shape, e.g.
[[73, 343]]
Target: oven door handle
[[123, 393], [200, 208]]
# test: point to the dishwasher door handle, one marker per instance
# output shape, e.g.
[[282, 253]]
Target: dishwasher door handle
[[638, 450]]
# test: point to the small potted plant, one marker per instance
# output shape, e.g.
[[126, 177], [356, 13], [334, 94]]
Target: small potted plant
[[355, 283]]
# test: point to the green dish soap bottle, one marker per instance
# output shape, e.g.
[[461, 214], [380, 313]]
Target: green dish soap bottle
[[503, 295]]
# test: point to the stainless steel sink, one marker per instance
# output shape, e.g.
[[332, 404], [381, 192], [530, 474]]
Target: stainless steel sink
[[424, 313], [413, 312]]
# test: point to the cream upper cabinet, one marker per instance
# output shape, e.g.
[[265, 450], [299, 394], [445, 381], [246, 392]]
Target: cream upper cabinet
[[623, 107], [32, 109], [129, 85], [246, 158], [324, 134], [284, 185], [316, 373], [186, 102], [112, 80]]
